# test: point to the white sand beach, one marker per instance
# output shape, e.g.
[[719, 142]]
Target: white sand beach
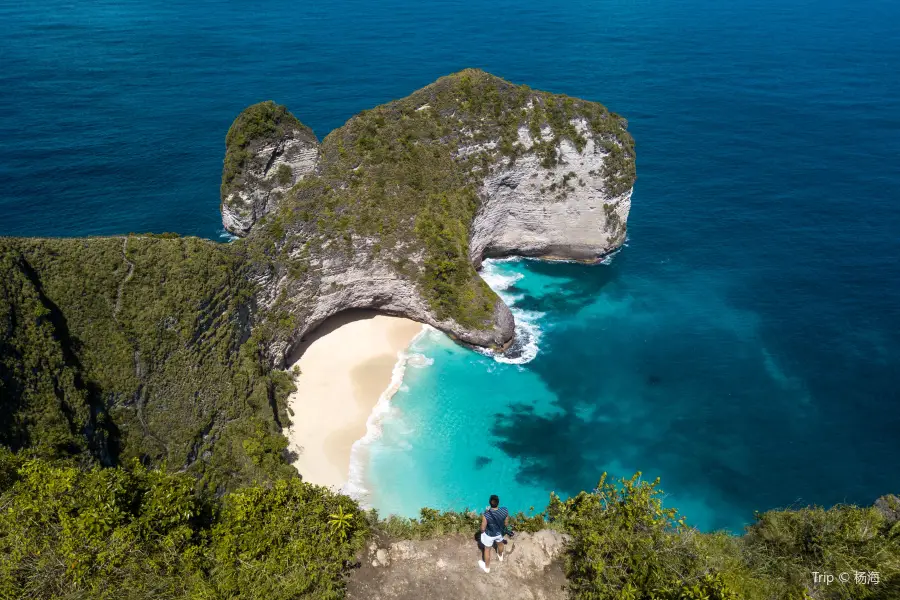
[[345, 366]]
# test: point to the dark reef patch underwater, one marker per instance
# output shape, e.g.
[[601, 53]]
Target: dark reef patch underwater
[[744, 346]]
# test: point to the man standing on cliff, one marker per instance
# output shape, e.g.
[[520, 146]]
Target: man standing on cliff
[[493, 525]]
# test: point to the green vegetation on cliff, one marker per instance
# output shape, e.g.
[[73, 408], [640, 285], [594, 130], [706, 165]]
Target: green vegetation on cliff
[[135, 533], [137, 347], [253, 128], [624, 544]]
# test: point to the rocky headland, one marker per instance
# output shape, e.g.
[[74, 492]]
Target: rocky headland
[[395, 210]]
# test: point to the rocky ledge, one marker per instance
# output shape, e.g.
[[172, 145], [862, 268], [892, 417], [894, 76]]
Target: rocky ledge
[[396, 210], [446, 568]]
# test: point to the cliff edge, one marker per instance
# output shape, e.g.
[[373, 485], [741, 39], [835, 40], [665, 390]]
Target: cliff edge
[[447, 568]]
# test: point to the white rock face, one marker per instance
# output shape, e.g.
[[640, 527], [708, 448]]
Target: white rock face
[[337, 285], [263, 183], [561, 212]]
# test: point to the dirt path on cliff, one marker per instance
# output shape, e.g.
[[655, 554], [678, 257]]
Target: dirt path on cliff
[[128, 277], [446, 568]]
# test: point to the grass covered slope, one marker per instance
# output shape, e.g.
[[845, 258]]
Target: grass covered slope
[[137, 347]]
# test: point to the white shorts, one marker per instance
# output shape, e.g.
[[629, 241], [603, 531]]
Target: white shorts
[[490, 540]]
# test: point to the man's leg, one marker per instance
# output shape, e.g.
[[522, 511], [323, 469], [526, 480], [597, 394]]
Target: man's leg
[[485, 556], [501, 548]]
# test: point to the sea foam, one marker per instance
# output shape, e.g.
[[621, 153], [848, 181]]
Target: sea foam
[[525, 347], [226, 235]]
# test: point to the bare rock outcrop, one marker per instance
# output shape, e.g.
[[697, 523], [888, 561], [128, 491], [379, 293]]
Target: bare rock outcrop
[[447, 568], [560, 212], [889, 506], [267, 152]]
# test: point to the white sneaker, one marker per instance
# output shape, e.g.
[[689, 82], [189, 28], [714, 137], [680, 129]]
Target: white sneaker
[[483, 566], [500, 556]]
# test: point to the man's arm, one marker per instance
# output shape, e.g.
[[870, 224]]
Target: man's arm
[[483, 523]]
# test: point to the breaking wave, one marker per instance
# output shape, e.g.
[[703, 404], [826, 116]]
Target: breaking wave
[[227, 236], [525, 346]]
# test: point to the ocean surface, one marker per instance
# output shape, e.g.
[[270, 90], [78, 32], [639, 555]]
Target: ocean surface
[[744, 346]]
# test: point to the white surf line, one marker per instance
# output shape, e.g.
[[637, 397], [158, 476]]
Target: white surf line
[[528, 331], [356, 484]]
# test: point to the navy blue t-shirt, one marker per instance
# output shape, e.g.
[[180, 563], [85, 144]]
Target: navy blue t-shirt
[[495, 520]]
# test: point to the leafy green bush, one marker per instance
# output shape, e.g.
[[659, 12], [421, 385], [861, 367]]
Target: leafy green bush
[[278, 542], [626, 545], [284, 174], [140, 533], [430, 524], [99, 534], [146, 534], [789, 545]]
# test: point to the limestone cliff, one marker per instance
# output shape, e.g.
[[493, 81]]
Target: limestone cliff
[[268, 151], [564, 211], [404, 201]]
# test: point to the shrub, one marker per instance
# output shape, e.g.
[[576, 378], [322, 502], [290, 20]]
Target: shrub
[[146, 534], [625, 544], [277, 542], [430, 524], [790, 544], [105, 533], [284, 174]]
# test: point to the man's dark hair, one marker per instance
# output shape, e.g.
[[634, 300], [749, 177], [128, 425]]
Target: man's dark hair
[[495, 501]]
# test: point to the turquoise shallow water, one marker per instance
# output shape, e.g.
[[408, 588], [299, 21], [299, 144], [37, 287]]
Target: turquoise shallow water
[[436, 447], [594, 386], [745, 346], [620, 373]]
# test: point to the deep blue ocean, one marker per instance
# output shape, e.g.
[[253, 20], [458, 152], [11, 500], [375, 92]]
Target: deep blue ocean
[[745, 346]]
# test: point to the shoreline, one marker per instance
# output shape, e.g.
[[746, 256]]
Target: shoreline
[[348, 367], [357, 485]]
